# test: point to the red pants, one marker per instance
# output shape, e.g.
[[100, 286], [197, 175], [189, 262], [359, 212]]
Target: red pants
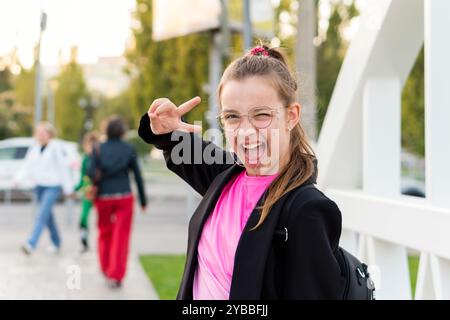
[[114, 226]]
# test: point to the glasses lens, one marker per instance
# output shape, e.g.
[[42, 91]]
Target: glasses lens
[[230, 121], [261, 119]]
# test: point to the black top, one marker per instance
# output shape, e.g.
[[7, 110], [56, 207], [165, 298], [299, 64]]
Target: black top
[[305, 267], [116, 159]]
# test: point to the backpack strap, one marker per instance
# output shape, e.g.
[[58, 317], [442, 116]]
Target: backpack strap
[[281, 233]]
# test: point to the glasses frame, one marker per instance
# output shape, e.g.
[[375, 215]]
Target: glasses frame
[[273, 111]]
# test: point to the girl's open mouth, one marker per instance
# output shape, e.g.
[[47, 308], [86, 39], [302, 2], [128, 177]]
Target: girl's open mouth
[[253, 152]]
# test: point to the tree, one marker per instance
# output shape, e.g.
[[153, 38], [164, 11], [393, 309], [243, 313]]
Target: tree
[[24, 88], [14, 122], [175, 68], [15, 119], [331, 53], [71, 90], [413, 108], [119, 105], [5, 79]]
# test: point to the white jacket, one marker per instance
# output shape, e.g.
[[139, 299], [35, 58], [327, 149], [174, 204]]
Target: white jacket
[[48, 168]]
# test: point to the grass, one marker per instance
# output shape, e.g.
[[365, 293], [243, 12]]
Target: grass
[[165, 273], [413, 269]]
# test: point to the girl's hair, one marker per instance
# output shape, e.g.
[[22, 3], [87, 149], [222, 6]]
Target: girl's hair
[[90, 138], [272, 63], [48, 127], [116, 127]]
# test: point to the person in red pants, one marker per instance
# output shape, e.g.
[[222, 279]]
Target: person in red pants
[[111, 163]]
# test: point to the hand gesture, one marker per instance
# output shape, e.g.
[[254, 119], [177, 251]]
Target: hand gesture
[[165, 116]]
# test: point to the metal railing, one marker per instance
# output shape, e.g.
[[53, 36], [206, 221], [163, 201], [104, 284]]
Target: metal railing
[[360, 145]]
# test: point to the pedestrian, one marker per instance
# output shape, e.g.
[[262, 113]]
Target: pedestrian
[[46, 167], [111, 163], [89, 140], [233, 252]]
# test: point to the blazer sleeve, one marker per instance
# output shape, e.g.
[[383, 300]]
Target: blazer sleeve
[[184, 155], [310, 267]]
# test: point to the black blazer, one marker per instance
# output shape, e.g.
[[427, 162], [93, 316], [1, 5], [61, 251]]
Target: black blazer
[[305, 268]]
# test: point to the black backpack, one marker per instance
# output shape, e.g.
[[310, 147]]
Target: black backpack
[[358, 283]]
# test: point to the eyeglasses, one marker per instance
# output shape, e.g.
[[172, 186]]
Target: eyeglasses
[[259, 117]]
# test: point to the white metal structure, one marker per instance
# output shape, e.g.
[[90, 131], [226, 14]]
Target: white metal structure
[[360, 144]]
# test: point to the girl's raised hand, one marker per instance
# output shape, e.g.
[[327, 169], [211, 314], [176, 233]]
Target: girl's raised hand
[[165, 116]]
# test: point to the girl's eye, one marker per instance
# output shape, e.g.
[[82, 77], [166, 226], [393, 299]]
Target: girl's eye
[[262, 116], [231, 117]]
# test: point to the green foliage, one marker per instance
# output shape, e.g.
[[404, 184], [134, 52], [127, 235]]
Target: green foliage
[[14, 120], [5, 80], [24, 88], [331, 54], [14, 123], [70, 116], [16, 103], [413, 109], [119, 105], [176, 68]]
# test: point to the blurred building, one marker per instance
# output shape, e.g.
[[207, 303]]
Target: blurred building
[[106, 76]]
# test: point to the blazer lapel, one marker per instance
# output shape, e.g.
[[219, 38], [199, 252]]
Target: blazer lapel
[[196, 226]]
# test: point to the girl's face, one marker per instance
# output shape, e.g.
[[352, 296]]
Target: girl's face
[[256, 124], [87, 147]]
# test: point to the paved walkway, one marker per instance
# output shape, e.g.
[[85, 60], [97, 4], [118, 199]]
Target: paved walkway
[[70, 275]]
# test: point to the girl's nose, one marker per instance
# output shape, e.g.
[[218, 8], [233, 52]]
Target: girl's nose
[[246, 130], [245, 124]]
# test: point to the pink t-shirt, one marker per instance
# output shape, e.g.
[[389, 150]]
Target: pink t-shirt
[[221, 234]]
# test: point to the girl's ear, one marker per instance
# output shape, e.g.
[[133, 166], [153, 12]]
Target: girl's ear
[[293, 115]]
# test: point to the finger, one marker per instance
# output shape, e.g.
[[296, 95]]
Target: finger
[[165, 106], [188, 106], [155, 104], [189, 127]]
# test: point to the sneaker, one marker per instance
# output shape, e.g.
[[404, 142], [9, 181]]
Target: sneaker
[[114, 284], [27, 249], [84, 245], [84, 248], [52, 249]]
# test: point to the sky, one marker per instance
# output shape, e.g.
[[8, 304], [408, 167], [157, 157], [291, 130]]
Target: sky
[[98, 27]]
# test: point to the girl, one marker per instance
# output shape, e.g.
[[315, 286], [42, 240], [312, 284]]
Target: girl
[[114, 159], [89, 140], [232, 252]]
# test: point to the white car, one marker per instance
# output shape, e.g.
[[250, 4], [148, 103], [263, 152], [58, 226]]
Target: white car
[[13, 152]]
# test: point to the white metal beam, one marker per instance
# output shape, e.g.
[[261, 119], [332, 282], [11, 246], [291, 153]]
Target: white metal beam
[[423, 227], [386, 45]]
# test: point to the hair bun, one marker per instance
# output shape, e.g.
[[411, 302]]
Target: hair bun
[[276, 54], [266, 51]]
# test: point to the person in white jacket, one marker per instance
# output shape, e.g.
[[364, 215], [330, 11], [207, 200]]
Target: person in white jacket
[[46, 168]]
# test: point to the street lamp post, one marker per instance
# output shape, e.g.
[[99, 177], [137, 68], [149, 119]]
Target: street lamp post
[[88, 105], [52, 87], [38, 83]]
